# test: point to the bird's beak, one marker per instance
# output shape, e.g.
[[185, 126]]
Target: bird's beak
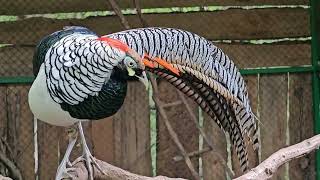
[[144, 79]]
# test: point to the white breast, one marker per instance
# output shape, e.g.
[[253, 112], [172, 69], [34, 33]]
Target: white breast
[[42, 105]]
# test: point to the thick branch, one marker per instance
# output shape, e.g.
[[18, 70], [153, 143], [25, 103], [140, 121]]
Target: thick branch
[[268, 167], [14, 171], [111, 173], [265, 170], [4, 178]]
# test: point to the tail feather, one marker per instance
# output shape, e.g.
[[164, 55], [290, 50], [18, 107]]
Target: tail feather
[[236, 135], [217, 107], [248, 126], [229, 120], [200, 94]]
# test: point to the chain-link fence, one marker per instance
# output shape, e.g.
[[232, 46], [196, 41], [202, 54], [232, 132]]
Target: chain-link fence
[[270, 41]]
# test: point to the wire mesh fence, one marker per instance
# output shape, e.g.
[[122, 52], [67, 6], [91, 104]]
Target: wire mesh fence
[[254, 34]]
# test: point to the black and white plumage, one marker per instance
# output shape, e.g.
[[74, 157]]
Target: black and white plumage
[[80, 76], [206, 74], [74, 71], [78, 67]]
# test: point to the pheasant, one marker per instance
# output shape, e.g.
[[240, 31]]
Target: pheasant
[[79, 77]]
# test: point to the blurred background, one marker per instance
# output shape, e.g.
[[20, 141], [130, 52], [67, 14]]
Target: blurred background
[[270, 41]]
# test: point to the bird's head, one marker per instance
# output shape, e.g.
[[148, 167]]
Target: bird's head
[[131, 62]]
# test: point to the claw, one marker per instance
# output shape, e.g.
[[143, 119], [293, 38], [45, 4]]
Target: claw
[[69, 164], [90, 162], [76, 161], [63, 172], [97, 165], [66, 175]]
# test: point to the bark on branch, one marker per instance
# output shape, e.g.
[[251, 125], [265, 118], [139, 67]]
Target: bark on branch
[[265, 170], [111, 173], [268, 167], [4, 178], [14, 171]]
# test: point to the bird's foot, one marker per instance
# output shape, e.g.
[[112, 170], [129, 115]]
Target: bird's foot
[[63, 170], [90, 162], [64, 173], [86, 155]]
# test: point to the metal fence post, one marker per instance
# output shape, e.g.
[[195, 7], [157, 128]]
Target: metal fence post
[[315, 19]]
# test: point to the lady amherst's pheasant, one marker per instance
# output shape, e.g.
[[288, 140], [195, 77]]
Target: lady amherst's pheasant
[[81, 76]]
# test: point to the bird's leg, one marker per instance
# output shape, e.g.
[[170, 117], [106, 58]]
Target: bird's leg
[[62, 171], [86, 155]]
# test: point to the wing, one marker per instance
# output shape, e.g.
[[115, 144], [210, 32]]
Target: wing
[[44, 45], [76, 64], [205, 73]]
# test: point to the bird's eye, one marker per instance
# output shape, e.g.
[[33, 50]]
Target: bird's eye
[[129, 62]]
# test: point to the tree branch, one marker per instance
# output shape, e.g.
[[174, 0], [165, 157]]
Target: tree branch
[[4, 178], [118, 12], [268, 167], [265, 170], [111, 173], [14, 171], [139, 13]]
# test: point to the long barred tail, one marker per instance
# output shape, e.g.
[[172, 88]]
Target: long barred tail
[[239, 116], [247, 123], [215, 106], [207, 75]]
